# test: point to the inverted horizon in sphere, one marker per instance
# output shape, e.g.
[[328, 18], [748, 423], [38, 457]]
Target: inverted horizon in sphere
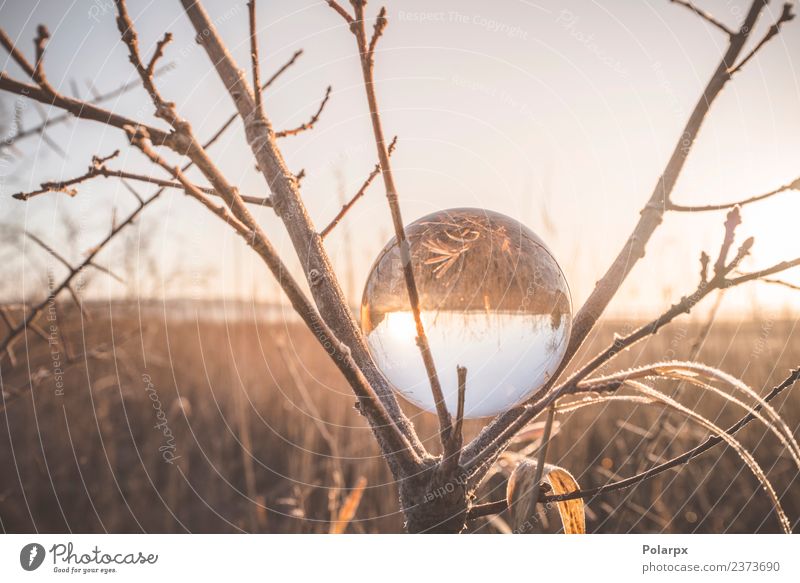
[[493, 300]]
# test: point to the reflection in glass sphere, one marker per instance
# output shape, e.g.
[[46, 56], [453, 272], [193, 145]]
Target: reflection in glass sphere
[[492, 298]]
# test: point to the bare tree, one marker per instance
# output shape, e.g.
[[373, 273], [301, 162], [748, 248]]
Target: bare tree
[[437, 493]]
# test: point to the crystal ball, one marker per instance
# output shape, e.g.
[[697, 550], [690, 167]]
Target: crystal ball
[[493, 299]]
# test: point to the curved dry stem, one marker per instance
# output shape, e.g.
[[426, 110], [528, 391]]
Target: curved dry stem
[[599, 399], [690, 372], [734, 443]]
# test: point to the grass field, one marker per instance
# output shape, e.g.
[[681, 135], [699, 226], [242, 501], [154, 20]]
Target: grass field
[[203, 426]]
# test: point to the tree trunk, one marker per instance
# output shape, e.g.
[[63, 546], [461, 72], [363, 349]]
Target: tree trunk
[[435, 502]]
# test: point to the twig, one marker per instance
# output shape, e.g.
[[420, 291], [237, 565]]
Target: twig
[[685, 457], [311, 122], [541, 457], [377, 31], [361, 191], [785, 16], [283, 69], [16, 55], [794, 185], [158, 53], [97, 99], [781, 282], [719, 280], [323, 283], [777, 268], [634, 248], [42, 36], [342, 12], [367, 64], [164, 109], [251, 8], [705, 16], [99, 169], [495, 507]]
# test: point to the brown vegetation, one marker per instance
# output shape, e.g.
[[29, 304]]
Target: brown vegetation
[[89, 460]]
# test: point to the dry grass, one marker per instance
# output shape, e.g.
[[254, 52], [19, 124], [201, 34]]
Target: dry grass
[[254, 454]]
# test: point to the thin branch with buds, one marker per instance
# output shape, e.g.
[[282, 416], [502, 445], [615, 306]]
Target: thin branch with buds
[[251, 8], [40, 129], [675, 462], [361, 191], [793, 185], [29, 321], [288, 205], [309, 125], [705, 16], [366, 50], [98, 168], [786, 15], [489, 442], [720, 280]]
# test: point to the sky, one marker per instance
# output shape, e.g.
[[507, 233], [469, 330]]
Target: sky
[[559, 114]]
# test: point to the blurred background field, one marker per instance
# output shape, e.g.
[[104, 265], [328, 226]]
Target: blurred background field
[[265, 437]]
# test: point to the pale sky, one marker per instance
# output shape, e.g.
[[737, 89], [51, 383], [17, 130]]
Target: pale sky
[[560, 114]]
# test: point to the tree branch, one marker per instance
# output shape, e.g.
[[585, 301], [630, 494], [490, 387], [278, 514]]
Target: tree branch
[[495, 507], [48, 123], [396, 446], [361, 191], [781, 283], [785, 16], [289, 207], [251, 8], [164, 109], [311, 122], [793, 185], [719, 280], [684, 458], [634, 248], [29, 318], [342, 12], [99, 169], [705, 16], [777, 268], [367, 66], [86, 110], [42, 36], [16, 55]]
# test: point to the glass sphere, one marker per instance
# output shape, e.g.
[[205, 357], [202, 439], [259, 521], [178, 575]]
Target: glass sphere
[[493, 299]]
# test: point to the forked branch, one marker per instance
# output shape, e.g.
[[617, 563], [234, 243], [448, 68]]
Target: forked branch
[[677, 461], [634, 248], [366, 50], [289, 206], [361, 191], [719, 279]]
